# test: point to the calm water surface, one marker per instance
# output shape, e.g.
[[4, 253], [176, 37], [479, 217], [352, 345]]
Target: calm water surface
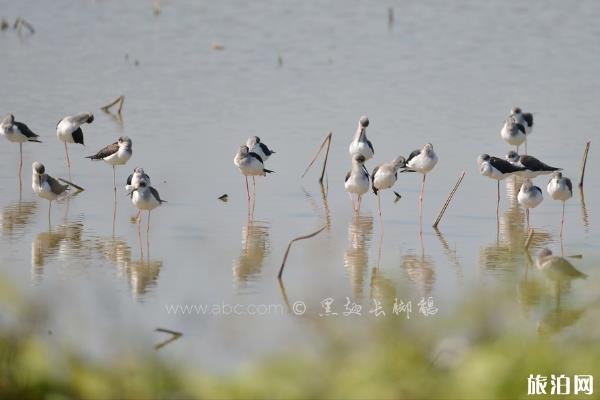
[[443, 73]]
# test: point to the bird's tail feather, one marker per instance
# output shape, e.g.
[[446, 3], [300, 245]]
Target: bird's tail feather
[[268, 171]]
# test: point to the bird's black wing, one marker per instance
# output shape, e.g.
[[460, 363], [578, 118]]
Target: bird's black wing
[[412, 155], [365, 170], [373, 179], [105, 152], [347, 176], [56, 187], [537, 188], [533, 164], [521, 127], [370, 146], [528, 117], [504, 166], [156, 195], [259, 158], [129, 178], [265, 149], [569, 185], [24, 129], [78, 136]]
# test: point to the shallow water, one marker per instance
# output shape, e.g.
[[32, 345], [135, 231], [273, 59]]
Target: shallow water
[[442, 73]]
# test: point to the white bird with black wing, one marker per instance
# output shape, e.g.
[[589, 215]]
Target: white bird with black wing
[[145, 198], [357, 180], [497, 169], [45, 186], [256, 146], [421, 161], [117, 153], [560, 188], [250, 164], [383, 177], [530, 196], [68, 130], [17, 132], [136, 177]]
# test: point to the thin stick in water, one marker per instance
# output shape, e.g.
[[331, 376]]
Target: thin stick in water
[[529, 239], [120, 100], [448, 200], [176, 335], [287, 251], [583, 163], [327, 141]]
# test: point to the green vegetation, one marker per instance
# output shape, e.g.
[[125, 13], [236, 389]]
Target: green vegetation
[[480, 358]]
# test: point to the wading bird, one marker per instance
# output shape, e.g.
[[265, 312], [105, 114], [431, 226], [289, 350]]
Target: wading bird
[[136, 177], [357, 180], [17, 132], [560, 188], [69, 130], [421, 161], [530, 196], [532, 167], [145, 197], [46, 186], [517, 127], [117, 153], [256, 146], [360, 144], [498, 169], [250, 164], [384, 176]]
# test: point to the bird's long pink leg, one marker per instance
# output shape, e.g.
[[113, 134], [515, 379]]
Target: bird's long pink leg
[[359, 202], [68, 160], [253, 194], [352, 200], [498, 202], [562, 219], [379, 210], [421, 201], [21, 162], [114, 181], [527, 213]]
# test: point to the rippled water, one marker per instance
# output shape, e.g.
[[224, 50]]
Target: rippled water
[[290, 73]]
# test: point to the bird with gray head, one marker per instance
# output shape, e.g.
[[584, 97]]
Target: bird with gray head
[[357, 180], [531, 166], [136, 177], [557, 268], [117, 153], [256, 146], [68, 130], [560, 188], [17, 132], [384, 176], [360, 144], [46, 186], [517, 127], [530, 196]]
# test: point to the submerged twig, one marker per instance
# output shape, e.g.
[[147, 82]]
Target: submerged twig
[[583, 163], [287, 251], [79, 188], [448, 200], [327, 141], [176, 335], [120, 100], [529, 239]]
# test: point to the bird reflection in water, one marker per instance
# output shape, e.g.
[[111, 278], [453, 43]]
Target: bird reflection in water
[[15, 216], [420, 270], [356, 257], [141, 275], [560, 273], [255, 247], [64, 240]]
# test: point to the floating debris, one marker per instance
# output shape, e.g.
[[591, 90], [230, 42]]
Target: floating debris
[[398, 197], [327, 141], [217, 46], [287, 251], [4, 25], [224, 198], [279, 60], [175, 335], [448, 200], [20, 23]]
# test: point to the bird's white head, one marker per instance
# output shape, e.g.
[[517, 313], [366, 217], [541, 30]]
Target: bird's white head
[[483, 158], [428, 148], [8, 120], [252, 141], [399, 162], [125, 142], [557, 175], [515, 111]]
